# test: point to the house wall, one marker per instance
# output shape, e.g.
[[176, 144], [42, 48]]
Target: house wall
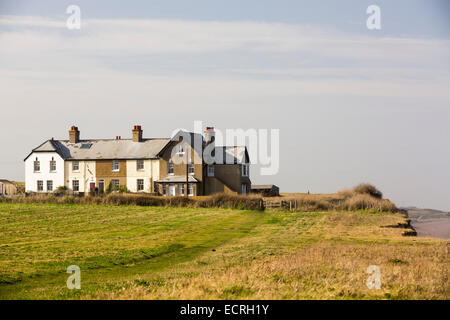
[[149, 174], [231, 175], [32, 177], [180, 166], [85, 175], [214, 185], [103, 170]]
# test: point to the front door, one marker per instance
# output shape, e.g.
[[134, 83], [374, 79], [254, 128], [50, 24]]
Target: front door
[[244, 189], [171, 189], [101, 186]]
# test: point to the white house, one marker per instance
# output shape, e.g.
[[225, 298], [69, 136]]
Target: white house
[[44, 169]]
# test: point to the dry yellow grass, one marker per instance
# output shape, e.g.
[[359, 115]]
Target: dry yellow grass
[[362, 197], [321, 271], [312, 196], [315, 257]]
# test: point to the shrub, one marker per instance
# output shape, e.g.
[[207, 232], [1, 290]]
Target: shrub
[[220, 200], [313, 205], [368, 202], [223, 200], [346, 193], [117, 199], [61, 190], [366, 188]]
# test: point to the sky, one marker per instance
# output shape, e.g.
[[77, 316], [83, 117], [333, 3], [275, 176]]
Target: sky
[[352, 105]]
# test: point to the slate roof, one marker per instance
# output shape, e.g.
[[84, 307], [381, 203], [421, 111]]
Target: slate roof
[[263, 186], [104, 149], [97, 149], [237, 154]]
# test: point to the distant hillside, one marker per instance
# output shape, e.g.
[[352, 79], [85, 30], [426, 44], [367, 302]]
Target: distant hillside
[[418, 213]]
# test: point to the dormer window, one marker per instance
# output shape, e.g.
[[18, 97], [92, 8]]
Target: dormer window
[[37, 165], [170, 168], [180, 149]]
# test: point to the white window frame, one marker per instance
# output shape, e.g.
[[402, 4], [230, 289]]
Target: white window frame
[[75, 166], [52, 165], [113, 182], [173, 187], [51, 185], [190, 189], [210, 171], [164, 189], [40, 185], [191, 168], [115, 166], [181, 189], [77, 183], [138, 165], [170, 167], [245, 170], [138, 184], [36, 165], [243, 189]]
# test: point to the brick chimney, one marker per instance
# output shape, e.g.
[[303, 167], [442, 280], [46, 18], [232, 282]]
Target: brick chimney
[[137, 133], [74, 135], [210, 145], [210, 135]]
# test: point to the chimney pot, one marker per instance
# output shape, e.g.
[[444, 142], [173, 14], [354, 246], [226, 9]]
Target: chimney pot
[[137, 133], [74, 134], [209, 135]]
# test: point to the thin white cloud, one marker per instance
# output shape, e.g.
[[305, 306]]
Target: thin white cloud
[[179, 36], [289, 59]]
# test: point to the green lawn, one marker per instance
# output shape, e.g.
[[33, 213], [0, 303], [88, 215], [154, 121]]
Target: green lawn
[[186, 253]]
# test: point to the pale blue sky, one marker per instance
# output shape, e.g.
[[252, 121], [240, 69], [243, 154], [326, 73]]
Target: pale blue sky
[[424, 18], [352, 105]]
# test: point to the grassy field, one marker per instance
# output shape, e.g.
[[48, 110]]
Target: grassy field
[[130, 252]]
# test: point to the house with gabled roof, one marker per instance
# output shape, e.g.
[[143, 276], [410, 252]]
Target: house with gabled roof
[[162, 166]]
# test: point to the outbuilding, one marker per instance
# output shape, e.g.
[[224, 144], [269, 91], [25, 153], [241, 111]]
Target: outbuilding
[[7, 187], [266, 190]]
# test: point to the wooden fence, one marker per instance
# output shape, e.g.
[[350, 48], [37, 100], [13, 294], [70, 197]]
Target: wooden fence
[[290, 205]]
